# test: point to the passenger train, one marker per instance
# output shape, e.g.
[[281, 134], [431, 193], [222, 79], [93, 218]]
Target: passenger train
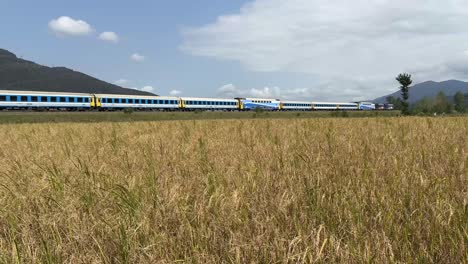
[[24, 100]]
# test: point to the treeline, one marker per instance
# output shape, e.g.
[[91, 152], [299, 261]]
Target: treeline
[[440, 104]]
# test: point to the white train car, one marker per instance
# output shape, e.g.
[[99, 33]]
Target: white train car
[[366, 106], [194, 103], [116, 101], [296, 105], [334, 106], [259, 103], [45, 100]]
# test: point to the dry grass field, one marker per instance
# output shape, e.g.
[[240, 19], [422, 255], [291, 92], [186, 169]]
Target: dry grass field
[[378, 190]]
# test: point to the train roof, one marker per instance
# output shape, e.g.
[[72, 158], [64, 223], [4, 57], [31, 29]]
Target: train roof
[[208, 99], [137, 96], [42, 93], [297, 102], [261, 99], [337, 103]]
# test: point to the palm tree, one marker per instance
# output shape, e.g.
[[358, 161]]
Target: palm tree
[[405, 81]]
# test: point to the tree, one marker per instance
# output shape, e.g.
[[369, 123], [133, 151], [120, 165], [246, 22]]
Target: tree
[[424, 106], [405, 81], [442, 104], [395, 101], [459, 101]]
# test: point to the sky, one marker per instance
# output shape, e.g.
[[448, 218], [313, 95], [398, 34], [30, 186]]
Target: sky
[[292, 50]]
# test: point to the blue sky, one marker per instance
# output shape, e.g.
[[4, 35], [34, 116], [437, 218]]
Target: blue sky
[[297, 49]]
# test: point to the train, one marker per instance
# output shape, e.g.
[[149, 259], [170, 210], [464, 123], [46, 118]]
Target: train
[[34, 100]]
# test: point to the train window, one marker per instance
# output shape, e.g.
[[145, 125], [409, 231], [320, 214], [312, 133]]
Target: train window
[[53, 99], [43, 99], [33, 98], [166, 102], [24, 98], [2, 98], [79, 99], [86, 100]]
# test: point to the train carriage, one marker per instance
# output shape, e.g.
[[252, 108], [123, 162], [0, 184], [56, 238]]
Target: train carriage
[[334, 106], [296, 105], [194, 103], [117, 102], [259, 103], [366, 106], [45, 100]]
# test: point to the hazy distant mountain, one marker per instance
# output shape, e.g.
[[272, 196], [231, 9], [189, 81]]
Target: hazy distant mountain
[[23, 75], [430, 89]]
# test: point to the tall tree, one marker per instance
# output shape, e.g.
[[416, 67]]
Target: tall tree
[[405, 81], [459, 101]]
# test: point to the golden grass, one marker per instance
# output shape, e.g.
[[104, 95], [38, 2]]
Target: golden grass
[[263, 191]]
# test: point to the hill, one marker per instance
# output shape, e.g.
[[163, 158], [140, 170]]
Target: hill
[[23, 75], [430, 89]]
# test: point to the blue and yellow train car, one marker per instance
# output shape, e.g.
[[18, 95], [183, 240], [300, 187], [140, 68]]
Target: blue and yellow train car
[[196, 103], [118, 102], [45, 100]]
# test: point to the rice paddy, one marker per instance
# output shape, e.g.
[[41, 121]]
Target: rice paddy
[[326, 190]]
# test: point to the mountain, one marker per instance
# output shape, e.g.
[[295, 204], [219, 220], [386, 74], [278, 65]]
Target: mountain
[[23, 75], [430, 89]]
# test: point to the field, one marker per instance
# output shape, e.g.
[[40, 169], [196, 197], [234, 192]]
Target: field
[[326, 190]]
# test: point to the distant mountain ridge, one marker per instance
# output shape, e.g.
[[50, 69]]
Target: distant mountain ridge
[[430, 89], [24, 75]]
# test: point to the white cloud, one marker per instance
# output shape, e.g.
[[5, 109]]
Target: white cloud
[[122, 82], [330, 92], [149, 89], [354, 47], [109, 36], [68, 26], [175, 92], [137, 57]]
